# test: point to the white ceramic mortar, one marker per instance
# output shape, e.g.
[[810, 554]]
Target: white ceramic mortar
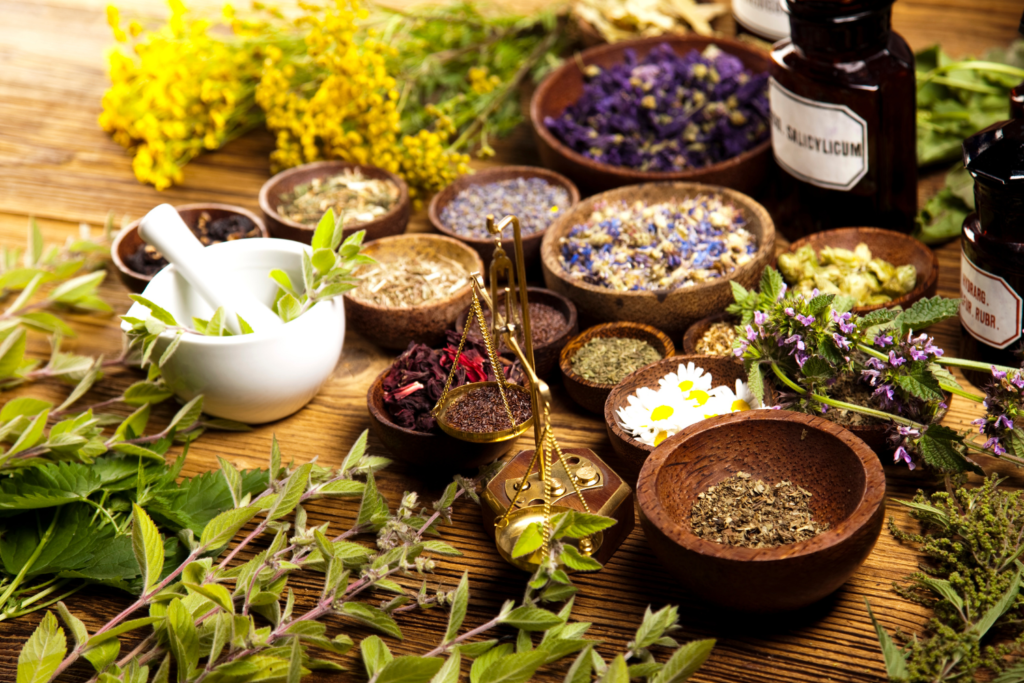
[[257, 377]]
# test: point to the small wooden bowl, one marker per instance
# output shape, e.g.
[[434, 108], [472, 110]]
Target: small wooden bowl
[[696, 331], [888, 245], [843, 475], [128, 240], [435, 450], [673, 311], [394, 328], [545, 356], [562, 88], [485, 246], [631, 454], [592, 395], [391, 223]]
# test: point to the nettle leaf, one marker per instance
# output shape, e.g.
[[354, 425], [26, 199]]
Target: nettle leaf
[[410, 670], [927, 312], [685, 661], [755, 380], [148, 547], [772, 285], [820, 304], [943, 375], [895, 659], [532, 618], [375, 654], [939, 449], [817, 369], [43, 652], [460, 602], [919, 382]]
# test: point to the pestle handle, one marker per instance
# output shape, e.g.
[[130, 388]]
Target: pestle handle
[[164, 229]]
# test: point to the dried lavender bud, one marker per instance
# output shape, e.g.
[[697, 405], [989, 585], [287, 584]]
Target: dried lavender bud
[[666, 112], [535, 201]]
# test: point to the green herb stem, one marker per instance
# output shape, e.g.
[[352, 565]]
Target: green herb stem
[[970, 65], [31, 560], [960, 392]]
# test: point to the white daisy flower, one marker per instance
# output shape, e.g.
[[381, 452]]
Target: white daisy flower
[[652, 416]]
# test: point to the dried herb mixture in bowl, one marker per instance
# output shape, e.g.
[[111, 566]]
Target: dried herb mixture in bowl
[[535, 201], [354, 198]]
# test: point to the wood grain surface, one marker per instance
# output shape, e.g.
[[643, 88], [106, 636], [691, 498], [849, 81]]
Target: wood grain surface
[[56, 164]]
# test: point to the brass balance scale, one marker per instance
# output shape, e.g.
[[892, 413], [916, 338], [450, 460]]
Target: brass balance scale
[[533, 485]]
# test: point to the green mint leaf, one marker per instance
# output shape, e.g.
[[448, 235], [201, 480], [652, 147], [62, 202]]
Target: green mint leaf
[[43, 652], [148, 547], [514, 668], [31, 288], [341, 488], [34, 251], [74, 624], [449, 671], [233, 479], [104, 654], [215, 593], [441, 548], [573, 559], [410, 670], [12, 353], [485, 660], [927, 312], [478, 649], [184, 641], [532, 618], [292, 493], [375, 654], [684, 661], [284, 282], [324, 233], [142, 393], [460, 602], [617, 671], [224, 526], [244, 326], [159, 313], [187, 415], [581, 668], [372, 617], [895, 659], [29, 407], [373, 510], [169, 351], [573, 524], [529, 541], [76, 289], [122, 628], [216, 325], [295, 669], [654, 626], [324, 260], [355, 453]]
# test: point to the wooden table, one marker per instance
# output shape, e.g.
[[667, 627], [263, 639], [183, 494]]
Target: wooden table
[[57, 165]]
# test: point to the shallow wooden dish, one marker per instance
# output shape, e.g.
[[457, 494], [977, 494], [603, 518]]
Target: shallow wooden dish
[[592, 395], [631, 454], [696, 331], [391, 223], [394, 328], [545, 356], [564, 87], [888, 245], [435, 452], [673, 311], [485, 246], [843, 475], [128, 240]]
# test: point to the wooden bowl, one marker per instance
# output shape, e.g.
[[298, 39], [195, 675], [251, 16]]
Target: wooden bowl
[[592, 395], [843, 475], [485, 246], [696, 331], [631, 454], [894, 247], [391, 223], [545, 356], [434, 451], [673, 311], [744, 172], [128, 240], [393, 328]]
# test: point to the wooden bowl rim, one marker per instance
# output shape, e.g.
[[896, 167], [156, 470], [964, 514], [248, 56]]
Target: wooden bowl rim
[[872, 496], [562, 224], [728, 45], [618, 395], [488, 175], [664, 346], [417, 237], [115, 247], [571, 319], [328, 168], [380, 413], [925, 281], [690, 343]]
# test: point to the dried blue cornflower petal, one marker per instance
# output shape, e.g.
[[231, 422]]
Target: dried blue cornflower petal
[[667, 112]]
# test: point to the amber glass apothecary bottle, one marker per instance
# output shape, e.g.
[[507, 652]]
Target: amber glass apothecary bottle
[[843, 100]]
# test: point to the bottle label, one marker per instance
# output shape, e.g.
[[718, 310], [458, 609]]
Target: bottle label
[[989, 308], [821, 143], [763, 17]]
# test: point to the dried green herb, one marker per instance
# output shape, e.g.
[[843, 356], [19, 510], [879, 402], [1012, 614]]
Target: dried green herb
[[608, 360], [750, 513], [972, 540]]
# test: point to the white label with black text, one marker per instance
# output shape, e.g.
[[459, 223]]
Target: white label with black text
[[764, 17], [989, 308], [818, 142]]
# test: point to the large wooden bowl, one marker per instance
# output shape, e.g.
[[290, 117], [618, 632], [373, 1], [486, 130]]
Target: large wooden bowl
[[843, 475], [434, 452], [592, 395], [631, 454], [391, 223], [485, 246], [673, 311], [392, 327], [545, 356], [894, 247], [128, 239], [564, 87]]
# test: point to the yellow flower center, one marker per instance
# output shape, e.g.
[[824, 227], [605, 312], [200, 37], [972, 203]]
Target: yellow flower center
[[659, 437], [662, 413], [685, 385], [701, 397], [739, 404]]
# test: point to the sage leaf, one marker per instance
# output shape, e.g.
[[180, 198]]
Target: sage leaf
[[460, 602], [43, 652]]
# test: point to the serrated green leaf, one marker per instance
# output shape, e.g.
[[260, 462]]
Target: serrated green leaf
[[771, 286], [187, 415], [460, 603], [617, 671], [12, 353], [573, 559], [477, 649], [341, 488], [449, 671], [43, 652], [373, 617], [30, 436], [148, 547], [920, 383], [938, 449], [926, 312], [580, 671], [410, 670], [529, 541], [531, 618], [441, 548], [375, 654], [292, 493], [123, 627], [183, 639], [215, 593], [157, 312], [355, 453], [104, 654], [573, 524], [685, 661], [514, 668], [486, 659], [222, 528], [895, 659], [944, 589]]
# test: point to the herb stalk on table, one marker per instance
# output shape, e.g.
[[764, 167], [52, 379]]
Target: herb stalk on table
[[201, 614]]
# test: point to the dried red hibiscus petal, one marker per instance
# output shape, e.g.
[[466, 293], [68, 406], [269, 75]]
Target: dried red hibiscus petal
[[416, 380]]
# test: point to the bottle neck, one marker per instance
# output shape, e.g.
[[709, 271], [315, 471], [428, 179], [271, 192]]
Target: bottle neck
[[841, 37]]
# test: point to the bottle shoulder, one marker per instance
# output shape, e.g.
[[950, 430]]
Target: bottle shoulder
[[891, 66]]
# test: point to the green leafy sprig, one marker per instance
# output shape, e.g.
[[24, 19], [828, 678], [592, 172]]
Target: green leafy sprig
[[201, 613]]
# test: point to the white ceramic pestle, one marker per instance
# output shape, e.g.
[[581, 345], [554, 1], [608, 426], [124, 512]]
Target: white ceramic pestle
[[163, 229]]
